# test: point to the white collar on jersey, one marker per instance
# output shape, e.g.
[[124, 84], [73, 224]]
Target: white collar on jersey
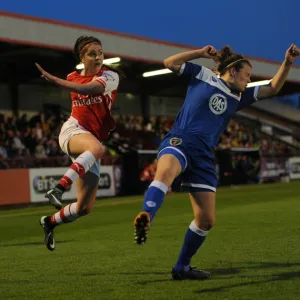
[[223, 82]]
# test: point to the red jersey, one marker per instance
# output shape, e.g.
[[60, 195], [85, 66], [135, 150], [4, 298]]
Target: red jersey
[[93, 112]]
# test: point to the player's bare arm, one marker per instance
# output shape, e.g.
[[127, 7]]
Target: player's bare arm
[[174, 62], [278, 80], [93, 87]]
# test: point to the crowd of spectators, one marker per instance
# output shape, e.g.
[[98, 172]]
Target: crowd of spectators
[[238, 135], [147, 134], [29, 140], [35, 139]]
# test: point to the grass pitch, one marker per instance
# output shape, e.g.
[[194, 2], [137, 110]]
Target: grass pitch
[[252, 252]]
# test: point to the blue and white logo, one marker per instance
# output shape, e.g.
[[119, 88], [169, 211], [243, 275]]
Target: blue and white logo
[[150, 203], [217, 103]]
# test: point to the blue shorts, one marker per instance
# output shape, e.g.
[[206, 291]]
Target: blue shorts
[[196, 159]]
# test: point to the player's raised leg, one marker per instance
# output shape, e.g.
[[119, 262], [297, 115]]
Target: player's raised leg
[[168, 168], [87, 150], [86, 190], [203, 204]]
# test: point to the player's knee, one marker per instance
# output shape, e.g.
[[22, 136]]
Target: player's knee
[[168, 169], [166, 175], [97, 150], [84, 209], [206, 223]]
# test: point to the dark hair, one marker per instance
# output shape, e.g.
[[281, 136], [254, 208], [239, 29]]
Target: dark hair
[[82, 41], [226, 58]]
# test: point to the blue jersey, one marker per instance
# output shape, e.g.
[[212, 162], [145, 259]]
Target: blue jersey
[[209, 104]]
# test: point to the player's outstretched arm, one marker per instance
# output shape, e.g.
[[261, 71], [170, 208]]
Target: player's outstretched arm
[[174, 62], [278, 80], [93, 87]]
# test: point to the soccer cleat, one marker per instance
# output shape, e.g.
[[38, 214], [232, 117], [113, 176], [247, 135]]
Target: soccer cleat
[[192, 274], [54, 196], [49, 234], [141, 227]]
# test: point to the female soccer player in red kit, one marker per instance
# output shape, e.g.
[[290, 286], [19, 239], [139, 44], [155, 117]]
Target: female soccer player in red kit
[[93, 91]]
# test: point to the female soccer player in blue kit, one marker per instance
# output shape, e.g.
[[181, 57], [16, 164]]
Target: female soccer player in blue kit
[[210, 102]]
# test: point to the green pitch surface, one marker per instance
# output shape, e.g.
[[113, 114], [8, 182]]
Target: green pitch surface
[[253, 251]]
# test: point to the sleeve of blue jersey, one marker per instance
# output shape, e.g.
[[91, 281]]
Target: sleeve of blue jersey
[[189, 69], [248, 97]]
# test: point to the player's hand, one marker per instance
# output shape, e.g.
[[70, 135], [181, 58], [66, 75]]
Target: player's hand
[[208, 52], [46, 75], [292, 54]]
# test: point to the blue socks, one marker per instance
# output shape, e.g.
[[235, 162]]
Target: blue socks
[[194, 236], [154, 197], [193, 240]]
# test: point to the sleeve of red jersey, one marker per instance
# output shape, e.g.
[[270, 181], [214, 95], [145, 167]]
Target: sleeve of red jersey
[[109, 80]]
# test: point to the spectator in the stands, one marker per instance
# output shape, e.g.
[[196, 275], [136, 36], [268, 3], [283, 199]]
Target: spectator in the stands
[[40, 150]]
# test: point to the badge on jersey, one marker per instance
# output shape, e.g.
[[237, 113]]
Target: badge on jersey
[[175, 141], [217, 103]]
